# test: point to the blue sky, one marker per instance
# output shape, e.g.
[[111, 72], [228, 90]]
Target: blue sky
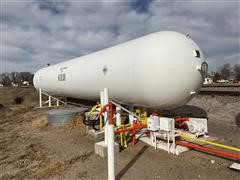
[[35, 33]]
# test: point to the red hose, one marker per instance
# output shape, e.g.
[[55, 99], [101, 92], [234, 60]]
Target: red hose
[[182, 119], [208, 150], [103, 109], [110, 113], [134, 128]]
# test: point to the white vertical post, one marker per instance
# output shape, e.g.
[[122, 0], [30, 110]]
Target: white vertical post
[[101, 125], [118, 116], [40, 97], [102, 98], [173, 136], [168, 144], [49, 101], [131, 117], [111, 167], [155, 139], [57, 102], [65, 99], [105, 91]]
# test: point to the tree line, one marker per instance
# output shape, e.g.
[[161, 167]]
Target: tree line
[[226, 72], [16, 78]]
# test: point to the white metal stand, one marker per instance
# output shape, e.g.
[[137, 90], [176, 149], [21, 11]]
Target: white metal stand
[[168, 143], [109, 135], [111, 167], [131, 117], [124, 109], [173, 137], [118, 116], [102, 98], [49, 101], [154, 138], [40, 97], [106, 101]]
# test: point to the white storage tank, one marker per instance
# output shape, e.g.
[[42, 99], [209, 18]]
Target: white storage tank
[[160, 70]]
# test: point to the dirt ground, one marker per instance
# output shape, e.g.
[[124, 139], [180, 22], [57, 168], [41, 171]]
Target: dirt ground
[[31, 149]]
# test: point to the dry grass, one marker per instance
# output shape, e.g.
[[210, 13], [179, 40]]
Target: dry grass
[[31, 149]]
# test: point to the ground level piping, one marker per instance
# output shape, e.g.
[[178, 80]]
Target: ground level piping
[[209, 142], [208, 150]]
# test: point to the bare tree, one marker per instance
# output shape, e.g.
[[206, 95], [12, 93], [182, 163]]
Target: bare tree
[[5, 79], [225, 71], [26, 76], [15, 77], [236, 70], [216, 77]]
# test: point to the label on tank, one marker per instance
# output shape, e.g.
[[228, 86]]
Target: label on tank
[[104, 70]]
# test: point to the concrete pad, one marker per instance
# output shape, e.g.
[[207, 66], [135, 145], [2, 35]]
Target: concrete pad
[[96, 134], [164, 146], [100, 149], [235, 166]]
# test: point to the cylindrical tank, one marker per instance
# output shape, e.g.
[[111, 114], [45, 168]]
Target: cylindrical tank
[[161, 70]]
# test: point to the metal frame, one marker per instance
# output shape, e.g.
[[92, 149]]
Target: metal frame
[[49, 101]]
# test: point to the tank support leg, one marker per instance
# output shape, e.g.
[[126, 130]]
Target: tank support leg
[[40, 97], [131, 117], [106, 100], [118, 116]]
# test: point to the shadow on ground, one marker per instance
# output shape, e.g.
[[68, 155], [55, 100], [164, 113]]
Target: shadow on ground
[[186, 111], [131, 163], [237, 120]]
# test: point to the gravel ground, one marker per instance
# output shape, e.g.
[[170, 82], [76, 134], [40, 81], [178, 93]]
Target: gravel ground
[[31, 149]]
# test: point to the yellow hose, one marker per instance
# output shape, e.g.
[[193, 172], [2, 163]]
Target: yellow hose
[[125, 139], [141, 116], [93, 109], [122, 126], [101, 123], [208, 142], [121, 139]]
